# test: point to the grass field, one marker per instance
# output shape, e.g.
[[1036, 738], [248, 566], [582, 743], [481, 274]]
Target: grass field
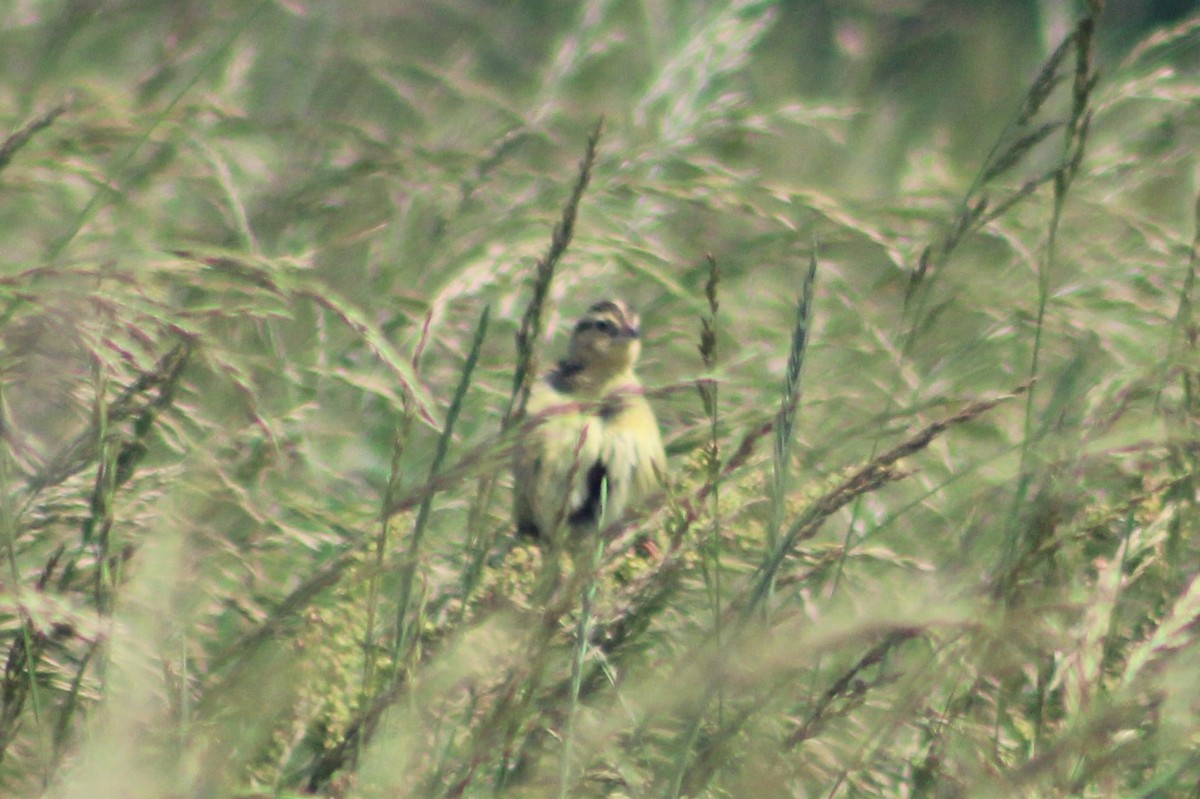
[[917, 282]]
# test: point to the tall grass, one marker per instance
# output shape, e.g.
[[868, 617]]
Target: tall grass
[[277, 279]]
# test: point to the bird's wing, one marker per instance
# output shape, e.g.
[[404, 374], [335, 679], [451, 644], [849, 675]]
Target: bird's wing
[[526, 467], [554, 463], [595, 496]]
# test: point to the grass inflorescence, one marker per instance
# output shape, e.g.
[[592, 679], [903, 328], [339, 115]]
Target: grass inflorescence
[[277, 281]]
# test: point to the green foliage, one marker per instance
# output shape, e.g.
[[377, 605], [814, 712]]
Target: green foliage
[[275, 279]]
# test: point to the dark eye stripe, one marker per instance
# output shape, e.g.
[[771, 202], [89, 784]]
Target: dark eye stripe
[[605, 326]]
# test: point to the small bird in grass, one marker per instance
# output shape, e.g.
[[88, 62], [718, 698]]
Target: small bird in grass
[[592, 448]]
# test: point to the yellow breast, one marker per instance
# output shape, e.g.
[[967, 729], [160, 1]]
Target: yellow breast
[[584, 462]]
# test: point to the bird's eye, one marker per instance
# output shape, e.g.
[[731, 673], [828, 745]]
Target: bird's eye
[[606, 327]]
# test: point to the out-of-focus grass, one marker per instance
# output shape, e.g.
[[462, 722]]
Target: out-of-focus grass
[[273, 274]]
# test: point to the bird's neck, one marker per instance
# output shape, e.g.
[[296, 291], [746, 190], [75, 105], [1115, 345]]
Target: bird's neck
[[591, 381]]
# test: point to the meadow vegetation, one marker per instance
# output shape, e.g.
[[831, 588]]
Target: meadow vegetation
[[917, 283]]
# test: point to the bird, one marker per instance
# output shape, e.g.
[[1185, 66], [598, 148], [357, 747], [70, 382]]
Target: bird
[[591, 448]]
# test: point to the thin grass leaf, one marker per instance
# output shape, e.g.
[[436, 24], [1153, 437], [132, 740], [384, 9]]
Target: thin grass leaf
[[1018, 150], [531, 322], [789, 404], [1172, 635], [382, 348], [875, 474], [1043, 85], [117, 172], [19, 138], [411, 562]]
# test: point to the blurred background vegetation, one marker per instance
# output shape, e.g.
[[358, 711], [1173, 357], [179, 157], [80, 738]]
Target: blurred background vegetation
[[930, 533]]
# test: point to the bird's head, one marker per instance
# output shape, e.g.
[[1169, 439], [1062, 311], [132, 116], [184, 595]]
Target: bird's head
[[607, 339]]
